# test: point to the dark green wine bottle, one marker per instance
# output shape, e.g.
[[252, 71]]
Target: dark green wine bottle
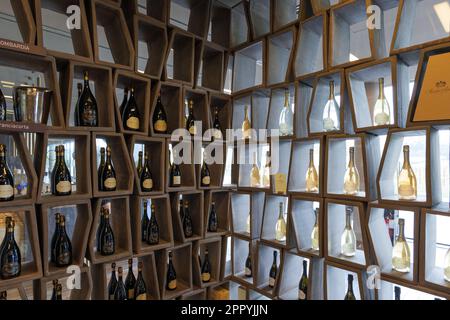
[[144, 223], [350, 295], [87, 110], [63, 246], [187, 221], [140, 165], [159, 117], [6, 178], [10, 257], [140, 291], [273, 271], [205, 175], [190, 122], [206, 268], [112, 283], [124, 101], [109, 182], [153, 229], [55, 166], [54, 238], [303, 284], [175, 175], [59, 292], [248, 262], [130, 281], [120, 293], [171, 279], [216, 126], [107, 242], [77, 105], [146, 178], [212, 221], [130, 116], [55, 289], [62, 181], [398, 292], [101, 166]]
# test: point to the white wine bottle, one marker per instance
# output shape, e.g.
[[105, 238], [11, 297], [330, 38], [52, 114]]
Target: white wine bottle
[[331, 113], [312, 178], [351, 178], [286, 118], [315, 235], [381, 110], [401, 257], [447, 266], [280, 228], [266, 173], [255, 177], [407, 182], [348, 238], [246, 126]]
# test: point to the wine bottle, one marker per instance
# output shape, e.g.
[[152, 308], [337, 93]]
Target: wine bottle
[[255, 177], [205, 174], [153, 229], [397, 293], [315, 234], [206, 268], [55, 289], [212, 221], [140, 164], [6, 178], [331, 113], [286, 122], [54, 238], [101, 166], [146, 178], [175, 175], [350, 295], [381, 110], [187, 221], [248, 262], [130, 115], [10, 257], [107, 243], [77, 105], [312, 178], [140, 290], [160, 117], [120, 293], [351, 178], [55, 166], [447, 266], [3, 107], [144, 223], [273, 271], [181, 210], [303, 284], [124, 101], [280, 227], [218, 135], [87, 109], [190, 122], [3, 296], [171, 279], [62, 181], [63, 246], [100, 227], [407, 182], [109, 182], [130, 281], [348, 238], [266, 173], [401, 257], [246, 126], [59, 292], [112, 282]]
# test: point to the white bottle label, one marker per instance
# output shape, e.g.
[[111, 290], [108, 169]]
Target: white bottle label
[[133, 123], [110, 183], [64, 187], [6, 191], [177, 180]]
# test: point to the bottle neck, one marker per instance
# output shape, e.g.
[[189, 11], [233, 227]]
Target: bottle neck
[[401, 231], [102, 157], [108, 157], [281, 214], [286, 99], [348, 220], [351, 162], [350, 285], [275, 259], [381, 89], [305, 268], [406, 162], [331, 97], [311, 158]]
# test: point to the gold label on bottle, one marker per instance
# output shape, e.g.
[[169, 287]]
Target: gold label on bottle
[[133, 123], [206, 180], [172, 284], [6, 191], [271, 282], [142, 297], [280, 183], [206, 276], [110, 183], [131, 294], [64, 187], [193, 130], [177, 180], [161, 126], [148, 184]]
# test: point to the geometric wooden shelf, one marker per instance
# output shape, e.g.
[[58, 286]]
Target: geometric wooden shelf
[[27, 238], [182, 257], [276, 106], [381, 241], [191, 16], [303, 219], [280, 55], [425, 162], [312, 45], [21, 164], [163, 217], [222, 206], [282, 159], [121, 162], [150, 41], [223, 103], [264, 261], [245, 156], [156, 148], [156, 9], [78, 216], [119, 209], [226, 264], [289, 12], [142, 88], [201, 108], [216, 169], [334, 224], [196, 207], [211, 74], [245, 206], [239, 252], [213, 245], [335, 282], [260, 17], [199, 294], [303, 93], [188, 174], [112, 43], [179, 60], [367, 159], [248, 70], [434, 245], [408, 292], [77, 156], [53, 34], [270, 219], [240, 31], [320, 6]]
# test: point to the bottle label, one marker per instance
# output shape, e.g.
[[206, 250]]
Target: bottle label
[[172, 284], [141, 297], [206, 276], [193, 130], [6, 191], [64, 187], [110, 183], [301, 295], [248, 272], [161, 126], [133, 123], [64, 258], [206, 180], [89, 115], [177, 180], [148, 184], [131, 294], [271, 282]]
